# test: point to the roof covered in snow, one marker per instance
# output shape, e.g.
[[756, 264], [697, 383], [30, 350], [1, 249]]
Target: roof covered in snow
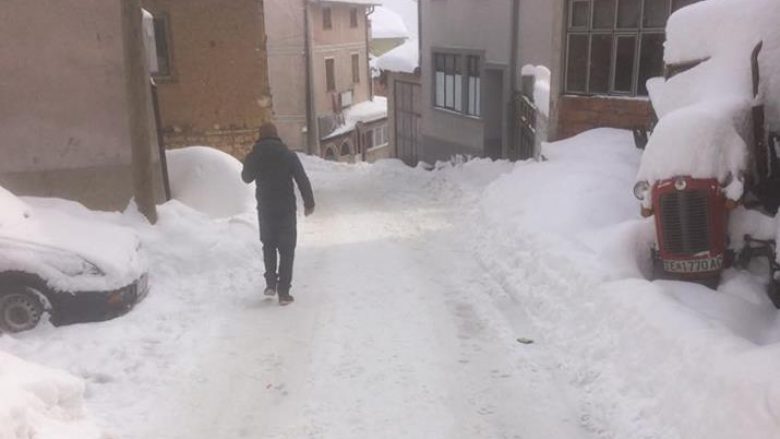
[[386, 23], [365, 112], [404, 58]]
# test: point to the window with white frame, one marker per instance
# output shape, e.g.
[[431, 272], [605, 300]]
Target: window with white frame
[[457, 83], [614, 46], [380, 136], [473, 87]]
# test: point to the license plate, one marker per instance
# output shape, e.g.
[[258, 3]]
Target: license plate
[[694, 265]]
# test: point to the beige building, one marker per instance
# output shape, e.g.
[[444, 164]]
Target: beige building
[[64, 104], [212, 72], [319, 77]]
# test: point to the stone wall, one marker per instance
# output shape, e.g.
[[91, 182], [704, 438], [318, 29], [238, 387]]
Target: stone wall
[[236, 142]]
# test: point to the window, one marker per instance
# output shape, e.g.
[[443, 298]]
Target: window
[[346, 149], [355, 68], [380, 136], [330, 74], [614, 46], [161, 42], [353, 17], [327, 19], [368, 140], [473, 86], [457, 83]]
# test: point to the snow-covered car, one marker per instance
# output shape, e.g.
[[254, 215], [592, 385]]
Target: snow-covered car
[[68, 262]]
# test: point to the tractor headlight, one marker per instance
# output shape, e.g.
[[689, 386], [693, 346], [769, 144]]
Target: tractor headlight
[[680, 184], [641, 189]]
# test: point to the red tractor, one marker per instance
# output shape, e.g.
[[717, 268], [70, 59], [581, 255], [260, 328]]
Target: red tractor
[[692, 214]]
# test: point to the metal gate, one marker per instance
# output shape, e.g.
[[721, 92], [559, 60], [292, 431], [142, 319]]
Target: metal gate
[[407, 121], [525, 129]]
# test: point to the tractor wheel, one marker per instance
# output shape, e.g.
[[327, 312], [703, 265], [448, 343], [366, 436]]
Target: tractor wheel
[[658, 267], [20, 311]]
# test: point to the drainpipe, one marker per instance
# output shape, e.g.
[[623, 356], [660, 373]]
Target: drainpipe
[[137, 108], [419, 33], [370, 80], [312, 127], [513, 58]]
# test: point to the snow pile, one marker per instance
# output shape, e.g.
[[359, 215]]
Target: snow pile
[[41, 403], [704, 111], [200, 269], [365, 112], [648, 359], [387, 24], [59, 242], [408, 10], [726, 49], [404, 58], [209, 181], [541, 93], [698, 141]]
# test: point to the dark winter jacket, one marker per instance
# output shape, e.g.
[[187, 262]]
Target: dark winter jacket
[[273, 167]]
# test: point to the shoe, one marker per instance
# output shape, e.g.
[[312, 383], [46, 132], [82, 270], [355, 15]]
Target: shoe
[[286, 300], [270, 292]]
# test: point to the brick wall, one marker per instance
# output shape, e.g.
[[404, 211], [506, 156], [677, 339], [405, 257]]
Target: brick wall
[[581, 113], [218, 90]]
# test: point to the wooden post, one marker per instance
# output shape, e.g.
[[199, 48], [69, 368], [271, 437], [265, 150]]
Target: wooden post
[[137, 92]]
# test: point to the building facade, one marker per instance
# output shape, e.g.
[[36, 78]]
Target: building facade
[[212, 75], [64, 104], [499, 79], [319, 75]]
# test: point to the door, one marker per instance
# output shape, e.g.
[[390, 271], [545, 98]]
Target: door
[[493, 112], [407, 121]]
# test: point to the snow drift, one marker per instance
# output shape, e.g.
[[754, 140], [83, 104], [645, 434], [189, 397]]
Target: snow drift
[[37, 402], [209, 181]]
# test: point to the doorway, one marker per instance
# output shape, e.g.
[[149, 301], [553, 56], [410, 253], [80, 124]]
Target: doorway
[[493, 112]]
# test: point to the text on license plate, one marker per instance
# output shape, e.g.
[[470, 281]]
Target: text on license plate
[[694, 265]]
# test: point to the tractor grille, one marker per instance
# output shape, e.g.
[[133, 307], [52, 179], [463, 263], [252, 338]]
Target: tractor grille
[[685, 222]]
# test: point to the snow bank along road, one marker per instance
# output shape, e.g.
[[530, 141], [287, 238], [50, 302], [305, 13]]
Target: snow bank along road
[[412, 290]]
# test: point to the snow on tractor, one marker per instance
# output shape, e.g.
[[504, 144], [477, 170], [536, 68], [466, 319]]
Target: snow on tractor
[[712, 155]]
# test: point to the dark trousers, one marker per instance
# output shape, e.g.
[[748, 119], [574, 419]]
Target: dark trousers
[[278, 235]]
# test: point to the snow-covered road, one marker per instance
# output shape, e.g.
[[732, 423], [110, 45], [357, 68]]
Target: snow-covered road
[[397, 332], [413, 289]]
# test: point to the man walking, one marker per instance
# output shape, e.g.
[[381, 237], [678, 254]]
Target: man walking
[[273, 167]]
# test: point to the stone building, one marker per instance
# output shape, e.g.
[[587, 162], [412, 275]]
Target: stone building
[[318, 72], [212, 72], [64, 104]]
